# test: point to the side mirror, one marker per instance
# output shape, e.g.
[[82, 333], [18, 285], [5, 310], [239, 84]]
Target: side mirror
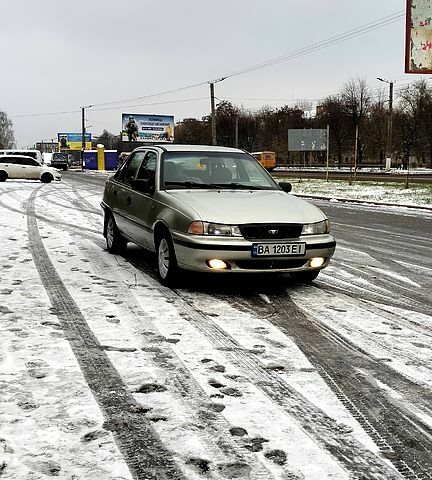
[[285, 186], [143, 185]]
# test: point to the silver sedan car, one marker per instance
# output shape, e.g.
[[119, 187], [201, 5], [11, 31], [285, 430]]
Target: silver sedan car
[[213, 209]]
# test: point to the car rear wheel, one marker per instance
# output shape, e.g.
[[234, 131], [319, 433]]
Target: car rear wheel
[[306, 277], [3, 176], [114, 240], [166, 260], [46, 178]]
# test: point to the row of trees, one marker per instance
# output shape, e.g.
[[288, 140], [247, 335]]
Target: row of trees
[[356, 105]]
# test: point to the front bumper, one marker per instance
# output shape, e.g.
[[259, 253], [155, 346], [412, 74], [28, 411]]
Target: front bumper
[[193, 253]]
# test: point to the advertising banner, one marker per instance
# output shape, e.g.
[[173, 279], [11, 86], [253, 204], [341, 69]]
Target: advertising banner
[[138, 127], [418, 43], [73, 141], [307, 140]]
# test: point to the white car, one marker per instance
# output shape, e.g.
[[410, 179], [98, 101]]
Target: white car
[[21, 166]]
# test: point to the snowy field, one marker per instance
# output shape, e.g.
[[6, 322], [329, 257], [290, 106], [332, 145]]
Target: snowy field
[[107, 375], [379, 192]]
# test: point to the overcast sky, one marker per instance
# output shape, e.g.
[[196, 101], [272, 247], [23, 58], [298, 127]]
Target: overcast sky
[[58, 56]]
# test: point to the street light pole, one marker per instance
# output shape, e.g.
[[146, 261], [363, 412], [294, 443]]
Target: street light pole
[[389, 124], [213, 110]]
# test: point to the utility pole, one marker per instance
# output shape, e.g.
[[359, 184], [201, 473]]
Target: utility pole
[[83, 133], [328, 153], [83, 129], [213, 110], [213, 114], [236, 131], [389, 124]]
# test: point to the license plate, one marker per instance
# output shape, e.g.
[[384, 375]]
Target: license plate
[[278, 249]]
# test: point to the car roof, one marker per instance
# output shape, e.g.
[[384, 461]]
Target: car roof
[[18, 156], [193, 148]]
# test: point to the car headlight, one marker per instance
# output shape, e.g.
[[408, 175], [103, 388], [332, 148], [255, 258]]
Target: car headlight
[[316, 228], [214, 229]]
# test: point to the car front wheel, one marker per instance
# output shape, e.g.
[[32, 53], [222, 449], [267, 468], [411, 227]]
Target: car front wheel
[[114, 241], [47, 178], [166, 261]]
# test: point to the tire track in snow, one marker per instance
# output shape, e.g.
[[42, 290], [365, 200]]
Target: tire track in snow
[[221, 446], [141, 447], [402, 437]]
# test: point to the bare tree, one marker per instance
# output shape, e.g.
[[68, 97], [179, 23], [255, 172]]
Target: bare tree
[[333, 113], [356, 97], [376, 128], [413, 102], [7, 137]]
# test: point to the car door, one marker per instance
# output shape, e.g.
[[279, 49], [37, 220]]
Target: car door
[[140, 203], [120, 194], [30, 169]]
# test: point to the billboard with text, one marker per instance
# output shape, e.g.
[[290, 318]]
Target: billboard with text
[[418, 43], [73, 141], [307, 140], [138, 127]]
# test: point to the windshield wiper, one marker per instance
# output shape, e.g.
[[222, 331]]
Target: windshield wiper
[[191, 184], [242, 186]]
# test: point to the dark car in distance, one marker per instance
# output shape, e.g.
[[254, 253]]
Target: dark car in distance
[[60, 160]]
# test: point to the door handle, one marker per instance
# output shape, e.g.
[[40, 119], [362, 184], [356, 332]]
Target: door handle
[[128, 201]]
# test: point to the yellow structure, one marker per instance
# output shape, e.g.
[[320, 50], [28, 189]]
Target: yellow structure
[[100, 156]]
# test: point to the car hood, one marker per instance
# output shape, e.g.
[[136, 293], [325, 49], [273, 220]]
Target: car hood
[[236, 207]]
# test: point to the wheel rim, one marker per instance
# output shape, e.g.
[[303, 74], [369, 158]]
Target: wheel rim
[[163, 258], [110, 232]]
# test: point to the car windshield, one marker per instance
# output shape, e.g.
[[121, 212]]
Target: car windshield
[[214, 170]]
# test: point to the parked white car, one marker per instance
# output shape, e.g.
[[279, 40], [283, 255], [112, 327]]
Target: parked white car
[[36, 154], [22, 166]]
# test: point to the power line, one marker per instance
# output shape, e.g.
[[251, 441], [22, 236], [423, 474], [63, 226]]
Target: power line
[[152, 94], [44, 114], [361, 30], [149, 104]]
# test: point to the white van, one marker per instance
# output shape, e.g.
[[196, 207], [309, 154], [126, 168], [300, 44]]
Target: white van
[[36, 154]]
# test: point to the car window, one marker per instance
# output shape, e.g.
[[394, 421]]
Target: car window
[[28, 161], [213, 168], [25, 154], [10, 160], [130, 170], [148, 166]]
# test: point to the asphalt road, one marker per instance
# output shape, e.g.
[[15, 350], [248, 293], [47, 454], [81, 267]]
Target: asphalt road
[[364, 325]]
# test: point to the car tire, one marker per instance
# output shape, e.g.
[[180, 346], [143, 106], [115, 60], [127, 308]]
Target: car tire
[[306, 277], [3, 176], [114, 241], [167, 266], [46, 178]]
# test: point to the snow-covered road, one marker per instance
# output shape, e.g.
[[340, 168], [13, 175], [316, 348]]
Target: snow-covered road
[[105, 374]]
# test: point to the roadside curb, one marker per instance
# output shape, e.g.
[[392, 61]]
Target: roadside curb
[[364, 202]]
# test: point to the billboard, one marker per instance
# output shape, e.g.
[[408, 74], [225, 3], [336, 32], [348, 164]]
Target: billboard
[[73, 141], [418, 43], [138, 127], [307, 140]]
